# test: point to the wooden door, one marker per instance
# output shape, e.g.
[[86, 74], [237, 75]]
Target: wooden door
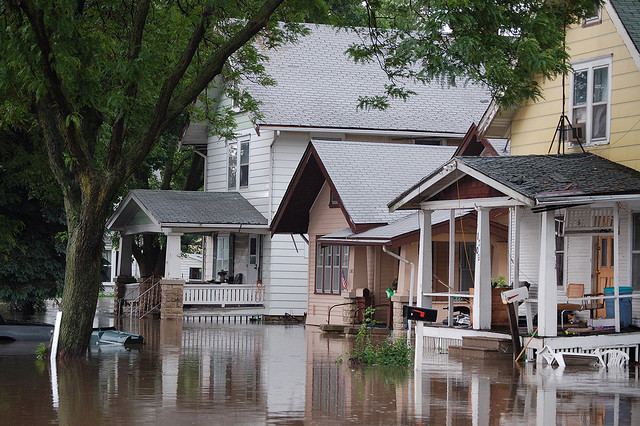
[[604, 267]]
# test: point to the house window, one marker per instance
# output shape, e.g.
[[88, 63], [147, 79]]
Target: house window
[[332, 265], [591, 99], [593, 18], [560, 251], [223, 251], [195, 274], [238, 169], [635, 252], [333, 200]]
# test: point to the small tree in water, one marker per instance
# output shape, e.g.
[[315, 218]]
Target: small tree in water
[[387, 352]]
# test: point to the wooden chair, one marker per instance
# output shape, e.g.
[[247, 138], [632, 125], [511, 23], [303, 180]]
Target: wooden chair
[[574, 291]]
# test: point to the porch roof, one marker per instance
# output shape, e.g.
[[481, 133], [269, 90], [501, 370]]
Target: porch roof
[[533, 180], [387, 234], [144, 211]]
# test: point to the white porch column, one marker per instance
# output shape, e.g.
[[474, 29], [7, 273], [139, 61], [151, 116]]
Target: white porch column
[[172, 257], [425, 259], [452, 254], [425, 281], [547, 288], [482, 279], [124, 261], [616, 264], [207, 259]]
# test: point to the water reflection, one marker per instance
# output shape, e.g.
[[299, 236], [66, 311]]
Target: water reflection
[[205, 373]]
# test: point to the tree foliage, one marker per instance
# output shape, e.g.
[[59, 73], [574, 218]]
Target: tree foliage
[[102, 81], [31, 225], [501, 43]]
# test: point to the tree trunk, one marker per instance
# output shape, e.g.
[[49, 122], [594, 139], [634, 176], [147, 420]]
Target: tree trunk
[[82, 274]]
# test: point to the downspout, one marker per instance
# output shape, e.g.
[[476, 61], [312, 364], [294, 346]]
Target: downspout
[[411, 282]]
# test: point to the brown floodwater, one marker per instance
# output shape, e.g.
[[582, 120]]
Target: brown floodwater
[[246, 374]]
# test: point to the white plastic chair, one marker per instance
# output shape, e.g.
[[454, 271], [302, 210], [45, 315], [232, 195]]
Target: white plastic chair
[[613, 358]]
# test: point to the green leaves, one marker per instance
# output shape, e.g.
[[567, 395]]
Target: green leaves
[[501, 43]]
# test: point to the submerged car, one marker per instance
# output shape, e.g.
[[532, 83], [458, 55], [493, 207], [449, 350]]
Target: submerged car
[[11, 331]]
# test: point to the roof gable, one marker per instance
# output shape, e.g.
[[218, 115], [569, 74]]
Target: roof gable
[[526, 179], [364, 177]]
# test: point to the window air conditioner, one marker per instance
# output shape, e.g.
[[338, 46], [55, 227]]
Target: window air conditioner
[[577, 133]]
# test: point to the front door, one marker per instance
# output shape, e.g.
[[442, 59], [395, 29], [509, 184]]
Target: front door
[[604, 267], [254, 259]]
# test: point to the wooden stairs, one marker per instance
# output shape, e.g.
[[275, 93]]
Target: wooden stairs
[[484, 348]]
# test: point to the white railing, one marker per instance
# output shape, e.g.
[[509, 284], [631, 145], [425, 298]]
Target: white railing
[[222, 294]]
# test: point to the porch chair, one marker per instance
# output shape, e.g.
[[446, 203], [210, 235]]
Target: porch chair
[[574, 291], [613, 357]]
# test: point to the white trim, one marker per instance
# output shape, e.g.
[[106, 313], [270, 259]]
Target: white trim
[[407, 133], [624, 35], [472, 203]]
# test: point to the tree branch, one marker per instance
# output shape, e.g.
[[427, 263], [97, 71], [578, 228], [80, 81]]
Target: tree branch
[[168, 108], [131, 87], [69, 131]]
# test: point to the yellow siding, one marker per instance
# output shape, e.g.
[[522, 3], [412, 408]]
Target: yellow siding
[[534, 124], [323, 220]]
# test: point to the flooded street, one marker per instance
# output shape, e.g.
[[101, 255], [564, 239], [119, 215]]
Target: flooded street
[[204, 373]]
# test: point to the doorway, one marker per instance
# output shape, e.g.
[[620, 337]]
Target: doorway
[[604, 266]]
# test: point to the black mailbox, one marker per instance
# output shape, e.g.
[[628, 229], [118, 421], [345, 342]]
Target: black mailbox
[[415, 313]]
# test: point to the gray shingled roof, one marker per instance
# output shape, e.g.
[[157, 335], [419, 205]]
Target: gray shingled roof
[[199, 207], [318, 85], [543, 176], [368, 175], [398, 228], [629, 13]]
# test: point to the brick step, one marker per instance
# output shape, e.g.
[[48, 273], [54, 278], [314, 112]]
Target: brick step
[[490, 343], [478, 353]]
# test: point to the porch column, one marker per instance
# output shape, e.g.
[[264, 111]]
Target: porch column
[[452, 254], [124, 261], [482, 279], [616, 264], [207, 259], [172, 257], [425, 259], [425, 281], [547, 288]]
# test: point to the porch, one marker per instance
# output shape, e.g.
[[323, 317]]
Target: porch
[[230, 271], [571, 220]]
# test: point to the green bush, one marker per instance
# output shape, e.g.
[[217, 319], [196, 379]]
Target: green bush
[[387, 352]]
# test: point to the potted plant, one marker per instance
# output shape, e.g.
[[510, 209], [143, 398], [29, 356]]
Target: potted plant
[[222, 274]]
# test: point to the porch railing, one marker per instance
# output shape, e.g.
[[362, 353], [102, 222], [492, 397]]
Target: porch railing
[[141, 304], [222, 294]]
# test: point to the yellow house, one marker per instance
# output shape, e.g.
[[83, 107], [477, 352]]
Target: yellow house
[[602, 94]]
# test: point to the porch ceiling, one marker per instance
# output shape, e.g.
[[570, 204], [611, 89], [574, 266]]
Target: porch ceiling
[[148, 211]]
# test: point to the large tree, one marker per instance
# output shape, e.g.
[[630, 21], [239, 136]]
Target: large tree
[[504, 44], [102, 81]]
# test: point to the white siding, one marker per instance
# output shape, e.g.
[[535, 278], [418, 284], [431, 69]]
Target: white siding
[[530, 252], [579, 253]]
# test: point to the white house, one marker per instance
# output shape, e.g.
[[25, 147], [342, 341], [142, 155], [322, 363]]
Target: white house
[[316, 96]]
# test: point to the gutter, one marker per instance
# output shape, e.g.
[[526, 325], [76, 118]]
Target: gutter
[[407, 133], [413, 275]]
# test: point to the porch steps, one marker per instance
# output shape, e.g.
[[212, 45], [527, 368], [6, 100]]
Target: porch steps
[[483, 348]]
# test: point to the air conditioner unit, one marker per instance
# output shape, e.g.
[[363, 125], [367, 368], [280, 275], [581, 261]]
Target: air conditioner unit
[[577, 133]]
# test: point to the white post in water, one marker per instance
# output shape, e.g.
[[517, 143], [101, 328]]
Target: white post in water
[[52, 359]]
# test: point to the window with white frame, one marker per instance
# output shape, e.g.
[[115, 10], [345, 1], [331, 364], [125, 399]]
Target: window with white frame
[[560, 242], [332, 265], [591, 99], [223, 252], [238, 168], [593, 18], [635, 252]]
